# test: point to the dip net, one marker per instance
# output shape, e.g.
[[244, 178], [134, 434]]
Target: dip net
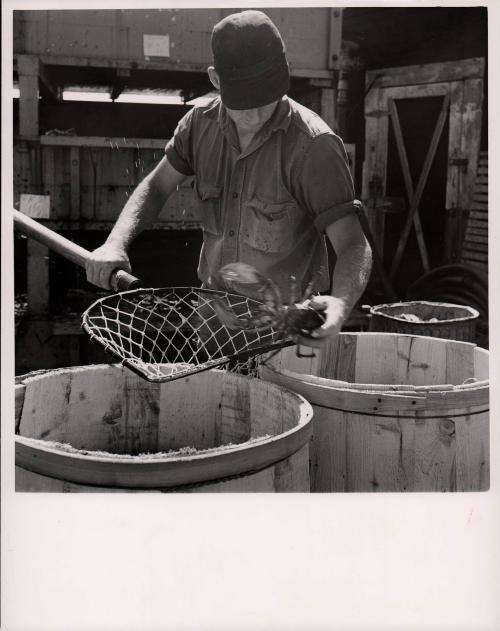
[[169, 333]]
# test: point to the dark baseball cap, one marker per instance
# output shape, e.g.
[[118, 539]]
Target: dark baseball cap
[[250, 59]]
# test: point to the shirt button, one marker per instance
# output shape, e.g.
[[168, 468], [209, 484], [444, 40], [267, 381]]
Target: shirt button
[[235, 195], [231, 233]]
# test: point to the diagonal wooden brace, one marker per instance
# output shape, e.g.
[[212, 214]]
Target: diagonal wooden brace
[[408, 181], [415, 201]]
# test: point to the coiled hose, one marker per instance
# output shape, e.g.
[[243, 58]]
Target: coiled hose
[[458, 284]]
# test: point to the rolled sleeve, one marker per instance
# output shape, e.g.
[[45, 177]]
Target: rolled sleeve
[[179, 148], [336, 212], [324, 185]]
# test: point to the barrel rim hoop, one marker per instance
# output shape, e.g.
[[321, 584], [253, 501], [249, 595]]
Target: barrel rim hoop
[[473, 314], [400, 416], [116, 472], [178, 488]]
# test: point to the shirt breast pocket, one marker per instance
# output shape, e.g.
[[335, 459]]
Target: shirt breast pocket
[[209, 198], [269, 225]]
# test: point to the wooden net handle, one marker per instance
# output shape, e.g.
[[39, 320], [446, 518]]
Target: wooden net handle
[[120, 280]]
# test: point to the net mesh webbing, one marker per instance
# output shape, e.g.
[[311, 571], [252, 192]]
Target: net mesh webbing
[[164, 334]]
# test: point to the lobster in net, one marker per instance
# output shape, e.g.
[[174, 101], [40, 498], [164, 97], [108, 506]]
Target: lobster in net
[[296, 318]]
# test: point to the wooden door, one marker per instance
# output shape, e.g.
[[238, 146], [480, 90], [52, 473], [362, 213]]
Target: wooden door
[[422, 140]]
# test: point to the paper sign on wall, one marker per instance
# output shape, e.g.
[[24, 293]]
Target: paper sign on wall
[[156, 45], [35, 206]]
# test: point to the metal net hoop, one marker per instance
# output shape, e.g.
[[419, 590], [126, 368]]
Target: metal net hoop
[[164, 334]]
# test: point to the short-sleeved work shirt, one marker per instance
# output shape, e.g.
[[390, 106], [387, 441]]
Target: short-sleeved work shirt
[[268, 205]]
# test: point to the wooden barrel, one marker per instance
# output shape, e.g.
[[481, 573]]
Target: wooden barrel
[[393, 412], [419, 317], [102, 428]]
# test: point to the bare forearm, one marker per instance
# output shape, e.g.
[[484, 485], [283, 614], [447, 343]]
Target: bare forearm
[[351, 275], [139, 213]]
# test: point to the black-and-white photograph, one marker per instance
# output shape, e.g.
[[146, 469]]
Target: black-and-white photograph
[[246, 317], [251, 250]]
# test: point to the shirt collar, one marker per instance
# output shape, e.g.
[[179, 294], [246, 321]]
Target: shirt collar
[[280, 119], [212, 109]]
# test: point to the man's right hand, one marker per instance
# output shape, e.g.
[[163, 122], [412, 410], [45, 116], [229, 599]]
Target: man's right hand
[[103, 262]]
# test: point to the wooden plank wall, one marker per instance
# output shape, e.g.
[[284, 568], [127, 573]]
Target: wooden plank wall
[[475, 244], [92, 183], [116, 38]]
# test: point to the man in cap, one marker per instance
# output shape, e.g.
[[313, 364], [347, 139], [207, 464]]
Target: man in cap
[[271, 178]]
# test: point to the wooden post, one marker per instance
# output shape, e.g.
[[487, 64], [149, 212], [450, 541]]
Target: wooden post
[[335, 39], [28, 70], [463, 152], [38, 255], [75, 183], [49, 176], [38, 278], [329, 107], [454, 179], [470, 144], [28, 67], [375, 162]]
